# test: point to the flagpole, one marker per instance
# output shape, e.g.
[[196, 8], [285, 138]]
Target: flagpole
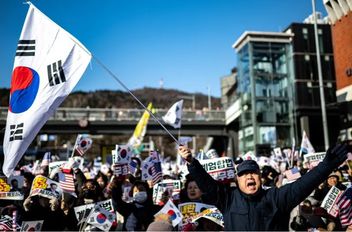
[[293, 150], [321, 86], [74, 146], [179, 133], [140, 103]]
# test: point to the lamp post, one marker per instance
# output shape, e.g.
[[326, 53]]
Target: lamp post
[[321, 86], [209, 98]]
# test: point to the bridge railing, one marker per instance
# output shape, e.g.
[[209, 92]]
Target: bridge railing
[[120, 114]]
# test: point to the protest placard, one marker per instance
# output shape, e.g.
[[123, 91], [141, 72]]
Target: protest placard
[[221, 169], [213, 214], [189, 210], [313, 159], [170, 187], [329, 202], [45, 187]]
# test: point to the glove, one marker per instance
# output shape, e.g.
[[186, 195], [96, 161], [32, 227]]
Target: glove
[[335, 156]]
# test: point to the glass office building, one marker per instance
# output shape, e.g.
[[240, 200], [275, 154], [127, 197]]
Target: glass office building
[[264, 86]]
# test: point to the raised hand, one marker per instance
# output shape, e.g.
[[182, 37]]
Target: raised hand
[[185, 153], [336, 155]]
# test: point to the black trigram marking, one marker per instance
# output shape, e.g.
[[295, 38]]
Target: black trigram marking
[[56, 74], [25, 48], [16, 132]]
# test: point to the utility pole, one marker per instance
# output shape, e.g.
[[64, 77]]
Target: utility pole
[[209, 99], [321, 85]]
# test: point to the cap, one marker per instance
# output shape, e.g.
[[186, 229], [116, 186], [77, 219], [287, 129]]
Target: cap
[[247, 165]]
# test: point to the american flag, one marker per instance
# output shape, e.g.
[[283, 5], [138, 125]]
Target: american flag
[[345, 207], [293, 174], [5, 223], [66, 182], [156, 173]]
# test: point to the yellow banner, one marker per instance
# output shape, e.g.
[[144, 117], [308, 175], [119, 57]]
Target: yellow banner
[[141, 128]]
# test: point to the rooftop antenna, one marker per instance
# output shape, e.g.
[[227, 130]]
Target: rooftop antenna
[[161, 83]]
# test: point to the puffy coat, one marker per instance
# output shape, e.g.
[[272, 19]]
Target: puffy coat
[[267, 209]]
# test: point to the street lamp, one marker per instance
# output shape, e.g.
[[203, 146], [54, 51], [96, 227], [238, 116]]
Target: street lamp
[[209, 98], [321, 86]]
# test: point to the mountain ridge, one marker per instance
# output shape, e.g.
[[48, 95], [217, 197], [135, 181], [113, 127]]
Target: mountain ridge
[[160, 97]]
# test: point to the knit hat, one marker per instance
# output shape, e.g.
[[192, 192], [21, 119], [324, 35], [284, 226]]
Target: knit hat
[[160, 226]]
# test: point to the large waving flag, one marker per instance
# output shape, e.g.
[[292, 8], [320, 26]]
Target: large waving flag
[[173, 117], [137, 138], [306, 146], [48, 64]]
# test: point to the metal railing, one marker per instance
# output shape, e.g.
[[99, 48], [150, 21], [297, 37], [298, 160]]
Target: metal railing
[[120, 114]]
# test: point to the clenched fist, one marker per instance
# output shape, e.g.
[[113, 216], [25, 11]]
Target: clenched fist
[[185, 153]]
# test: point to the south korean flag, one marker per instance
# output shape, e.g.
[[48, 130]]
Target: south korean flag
[[48, 64]]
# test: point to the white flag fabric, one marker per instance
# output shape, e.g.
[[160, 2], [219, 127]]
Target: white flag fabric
[[83, 144], [101, 218], [174, 115], [48, 64], [306, 146], [171, 210]]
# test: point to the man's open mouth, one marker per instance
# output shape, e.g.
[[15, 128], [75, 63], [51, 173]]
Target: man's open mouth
[[251, 184]]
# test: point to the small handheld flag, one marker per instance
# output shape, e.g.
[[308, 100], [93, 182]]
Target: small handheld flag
[[174, 115]]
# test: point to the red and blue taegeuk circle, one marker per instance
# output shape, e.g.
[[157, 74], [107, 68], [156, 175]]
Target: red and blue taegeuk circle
[[83, 143], [101, 218], [24, 89], [123, 153], [172, 214]]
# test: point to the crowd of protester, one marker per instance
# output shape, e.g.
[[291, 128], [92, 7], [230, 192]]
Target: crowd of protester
[[132, 198]]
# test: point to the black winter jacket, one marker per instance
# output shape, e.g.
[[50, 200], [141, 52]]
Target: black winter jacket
[[268, 209]]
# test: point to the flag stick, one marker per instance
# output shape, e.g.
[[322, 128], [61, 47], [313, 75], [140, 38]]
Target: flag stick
[[179, 133], [129, 91], [293, 151], [140, 103], [75, 145]]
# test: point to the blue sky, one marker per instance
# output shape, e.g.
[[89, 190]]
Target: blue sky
[[187, 43]]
